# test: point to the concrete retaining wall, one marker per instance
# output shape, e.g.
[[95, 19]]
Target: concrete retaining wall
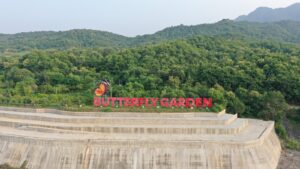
[[67, 145]]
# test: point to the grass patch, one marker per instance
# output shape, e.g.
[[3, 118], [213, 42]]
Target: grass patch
[[7, 166], [293, 144], [287, 142]]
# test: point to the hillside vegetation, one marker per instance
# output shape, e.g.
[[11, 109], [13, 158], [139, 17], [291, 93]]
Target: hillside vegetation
[[284, 31], [59, 40], [249, 78]]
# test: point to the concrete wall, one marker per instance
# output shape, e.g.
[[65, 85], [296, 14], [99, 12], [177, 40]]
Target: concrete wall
[[254, 146]]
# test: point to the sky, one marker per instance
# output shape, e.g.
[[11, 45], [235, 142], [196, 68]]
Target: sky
[[125, 17]]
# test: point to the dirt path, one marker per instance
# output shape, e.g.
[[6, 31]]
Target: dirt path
[[289, 160]]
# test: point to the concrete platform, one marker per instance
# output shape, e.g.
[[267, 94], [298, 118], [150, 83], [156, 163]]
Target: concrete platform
[[53, 139]]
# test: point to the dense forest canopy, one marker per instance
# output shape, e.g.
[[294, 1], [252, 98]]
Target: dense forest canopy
[[246, 77], [283, 31], [59, 40]]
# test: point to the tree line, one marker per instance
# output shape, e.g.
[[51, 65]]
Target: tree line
[[252, 78]]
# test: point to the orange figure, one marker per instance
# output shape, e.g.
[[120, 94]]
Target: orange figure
[[100, 90]]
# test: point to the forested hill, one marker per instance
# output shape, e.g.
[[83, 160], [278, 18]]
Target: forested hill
[[60, 40], [265, 14], [284, 31], [250, 78]]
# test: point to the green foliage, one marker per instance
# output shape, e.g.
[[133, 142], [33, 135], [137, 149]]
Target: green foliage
[[6, 166], [288, 142], [280, 130], [107, 109], [273, 106], [60, 40], [234, 105], [294, 116], [293, 144], [254, 79], [284, 31]]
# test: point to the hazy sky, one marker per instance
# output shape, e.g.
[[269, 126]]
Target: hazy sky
[[126, 17]]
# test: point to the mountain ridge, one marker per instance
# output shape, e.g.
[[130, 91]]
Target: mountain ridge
[[266, 14], [283, 31]]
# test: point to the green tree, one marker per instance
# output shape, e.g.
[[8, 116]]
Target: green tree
[[273, 106]]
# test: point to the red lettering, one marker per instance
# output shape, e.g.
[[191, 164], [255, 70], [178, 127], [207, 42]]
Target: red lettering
[[181, 102], [164, 102], [105, 102], [189, 102], [97, 101], [120, 99], [154, 101], [113, 99], [147, 102], [198, 102], [134, 102], [127, 100], [141, 101], [173, 103], [207, 102]]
